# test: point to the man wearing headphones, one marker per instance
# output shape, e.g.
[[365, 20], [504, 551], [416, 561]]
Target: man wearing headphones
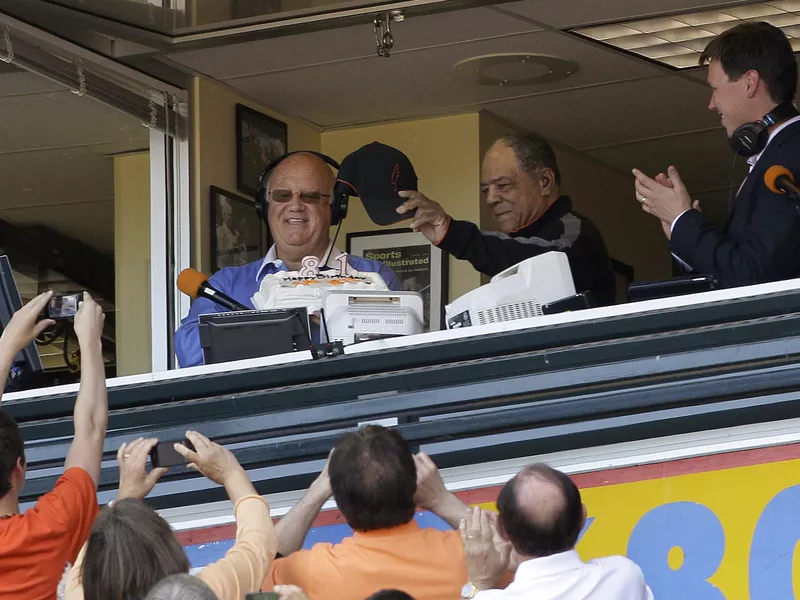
[[295, 197], [753, 76]]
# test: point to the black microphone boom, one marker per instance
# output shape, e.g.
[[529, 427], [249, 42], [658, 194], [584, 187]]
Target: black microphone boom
[[206, 291], [787, 186]]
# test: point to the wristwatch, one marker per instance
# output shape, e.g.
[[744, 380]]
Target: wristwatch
[[469, 591]]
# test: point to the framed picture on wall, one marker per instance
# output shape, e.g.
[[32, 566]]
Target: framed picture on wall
[[238, 235], [421, 266], [259, 139]]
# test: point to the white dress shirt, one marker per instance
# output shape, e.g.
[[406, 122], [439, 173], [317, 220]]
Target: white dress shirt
[[565, 576], [751, 163]]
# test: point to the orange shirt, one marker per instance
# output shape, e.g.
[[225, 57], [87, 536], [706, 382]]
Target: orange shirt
[[428, 564], [35, 547]]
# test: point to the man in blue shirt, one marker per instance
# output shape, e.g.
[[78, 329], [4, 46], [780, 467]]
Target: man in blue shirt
[[299, 215]]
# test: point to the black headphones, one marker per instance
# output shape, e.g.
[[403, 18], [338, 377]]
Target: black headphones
[[751, 138], [338, 206]]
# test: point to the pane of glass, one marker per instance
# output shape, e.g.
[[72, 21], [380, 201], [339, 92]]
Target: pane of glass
[[197, 16], [75, 215]]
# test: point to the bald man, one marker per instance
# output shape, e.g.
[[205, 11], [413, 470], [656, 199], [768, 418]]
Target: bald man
[[300, 228], [540, 520]]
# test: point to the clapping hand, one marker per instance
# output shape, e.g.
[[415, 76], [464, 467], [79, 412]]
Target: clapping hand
[[649, 193], [486, 559], [666, 199]]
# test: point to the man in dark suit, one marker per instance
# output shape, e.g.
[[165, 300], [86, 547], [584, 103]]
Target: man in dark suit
[[753, 76]]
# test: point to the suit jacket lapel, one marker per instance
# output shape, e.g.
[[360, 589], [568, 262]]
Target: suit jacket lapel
[[756, 176], [744, 189]]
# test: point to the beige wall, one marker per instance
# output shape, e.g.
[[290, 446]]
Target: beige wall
[[606, 197], [446, 157], [132, 262], [214, 153], [446, 152]]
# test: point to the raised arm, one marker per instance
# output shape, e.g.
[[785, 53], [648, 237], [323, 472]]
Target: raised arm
[[134, 483], [432, 495], [293, 528], [20, 331], [246, 565], [91, 407], [489, 253], [218, 464]]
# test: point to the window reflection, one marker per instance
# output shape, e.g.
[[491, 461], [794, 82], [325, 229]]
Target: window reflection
[[74, 215]]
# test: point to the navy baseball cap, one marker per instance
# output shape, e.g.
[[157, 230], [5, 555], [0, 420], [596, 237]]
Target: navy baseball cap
[[375, 173]]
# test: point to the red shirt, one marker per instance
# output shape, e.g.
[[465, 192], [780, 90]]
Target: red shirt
[[35, 547]]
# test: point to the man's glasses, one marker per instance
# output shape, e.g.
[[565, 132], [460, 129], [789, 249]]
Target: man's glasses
[[305, 197]]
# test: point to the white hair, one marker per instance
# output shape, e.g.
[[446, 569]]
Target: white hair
[[181, 587]]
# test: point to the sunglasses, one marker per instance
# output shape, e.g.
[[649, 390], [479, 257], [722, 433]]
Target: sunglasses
[[305, 197]]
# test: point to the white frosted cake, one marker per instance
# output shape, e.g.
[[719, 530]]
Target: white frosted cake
[[289, 289]]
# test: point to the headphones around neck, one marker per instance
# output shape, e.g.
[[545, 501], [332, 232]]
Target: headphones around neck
[[339, 201], [751, 138]]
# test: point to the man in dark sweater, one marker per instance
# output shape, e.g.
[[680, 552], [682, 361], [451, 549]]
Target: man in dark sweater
[[521, 182]]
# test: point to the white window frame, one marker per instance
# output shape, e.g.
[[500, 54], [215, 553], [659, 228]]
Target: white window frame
[[45, 53], [163, 272]]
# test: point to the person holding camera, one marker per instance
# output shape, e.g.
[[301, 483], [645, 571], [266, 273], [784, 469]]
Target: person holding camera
[[131, 548], [36, 546]]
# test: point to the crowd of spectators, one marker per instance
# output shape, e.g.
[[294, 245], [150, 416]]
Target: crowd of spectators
[[67, 547]]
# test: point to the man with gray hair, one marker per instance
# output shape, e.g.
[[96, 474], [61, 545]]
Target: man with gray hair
[[521, 183]]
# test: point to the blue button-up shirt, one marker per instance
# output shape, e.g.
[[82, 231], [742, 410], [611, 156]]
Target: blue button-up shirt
[[241, 283]]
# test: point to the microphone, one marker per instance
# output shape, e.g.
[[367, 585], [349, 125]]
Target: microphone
[[195, 284], [780, 180]]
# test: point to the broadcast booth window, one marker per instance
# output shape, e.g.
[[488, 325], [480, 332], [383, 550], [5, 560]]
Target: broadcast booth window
[[75, 210], [614, 229]]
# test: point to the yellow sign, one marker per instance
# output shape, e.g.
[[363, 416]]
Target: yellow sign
[[727, 534]]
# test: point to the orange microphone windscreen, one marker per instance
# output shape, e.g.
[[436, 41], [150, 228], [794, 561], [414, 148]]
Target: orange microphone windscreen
[[190, 280], [772, 174]]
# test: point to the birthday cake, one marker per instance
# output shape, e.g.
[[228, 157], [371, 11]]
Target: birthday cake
[[290, 289]]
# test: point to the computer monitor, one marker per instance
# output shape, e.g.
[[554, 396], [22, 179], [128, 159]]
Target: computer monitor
[[230, 336], [27, 365]]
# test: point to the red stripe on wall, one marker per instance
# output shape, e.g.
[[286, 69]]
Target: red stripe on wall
[[686, 466]]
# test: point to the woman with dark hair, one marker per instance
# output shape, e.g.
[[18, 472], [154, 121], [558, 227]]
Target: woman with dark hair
[[131, 548]]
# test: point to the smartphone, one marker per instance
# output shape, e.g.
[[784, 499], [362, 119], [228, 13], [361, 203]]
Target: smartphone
[[261, 596], [164, 454], [63, 306]]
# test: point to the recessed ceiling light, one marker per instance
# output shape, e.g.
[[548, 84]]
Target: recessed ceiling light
[[678, 40], [514, 69]]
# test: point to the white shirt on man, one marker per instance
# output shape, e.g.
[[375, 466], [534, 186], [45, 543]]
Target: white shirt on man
[[565, 576]]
